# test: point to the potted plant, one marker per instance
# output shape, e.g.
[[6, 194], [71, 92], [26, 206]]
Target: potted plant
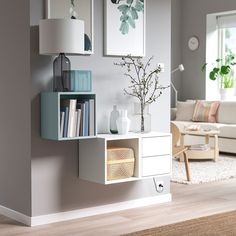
[[144, 83], [223, 72]]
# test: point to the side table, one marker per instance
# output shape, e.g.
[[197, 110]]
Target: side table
[[212, 153]]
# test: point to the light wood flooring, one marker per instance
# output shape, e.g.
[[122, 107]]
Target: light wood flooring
[[189, 201]]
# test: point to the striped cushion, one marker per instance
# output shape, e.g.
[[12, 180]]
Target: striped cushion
[[205, 111]]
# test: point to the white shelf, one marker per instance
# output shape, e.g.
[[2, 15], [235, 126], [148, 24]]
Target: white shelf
[[93, 156]]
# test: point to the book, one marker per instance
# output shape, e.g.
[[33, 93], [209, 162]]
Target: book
[[91, 117], [65, 123], [75, 123], [201, 147], [78, 122], [62, 118], [71, 104], [80, 106], [86, 119]]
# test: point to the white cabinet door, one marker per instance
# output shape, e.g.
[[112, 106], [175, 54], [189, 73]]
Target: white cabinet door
[[155, 146], [156, 165]]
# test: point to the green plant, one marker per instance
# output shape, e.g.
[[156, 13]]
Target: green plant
[[223, 70], [129, 13]]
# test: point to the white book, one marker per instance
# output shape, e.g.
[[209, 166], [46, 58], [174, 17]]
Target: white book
[[62, 121], [78, 122], [71, 120], [91, 117], [74, 124]]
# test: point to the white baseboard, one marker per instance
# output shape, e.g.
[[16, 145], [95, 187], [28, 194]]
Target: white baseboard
[[15, 215], [76, 214]]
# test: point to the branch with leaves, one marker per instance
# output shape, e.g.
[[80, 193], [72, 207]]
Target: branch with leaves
[[144, 82]]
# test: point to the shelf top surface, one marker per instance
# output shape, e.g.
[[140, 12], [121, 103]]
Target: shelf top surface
[[71, 93], [132, 135]]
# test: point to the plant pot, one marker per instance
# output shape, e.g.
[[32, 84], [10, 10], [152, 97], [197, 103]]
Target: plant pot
[[227, 93]]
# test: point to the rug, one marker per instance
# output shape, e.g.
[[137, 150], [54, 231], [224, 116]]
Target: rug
[[204, 171], [215, 225]]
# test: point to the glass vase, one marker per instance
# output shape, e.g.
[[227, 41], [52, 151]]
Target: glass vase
[[139, 124]]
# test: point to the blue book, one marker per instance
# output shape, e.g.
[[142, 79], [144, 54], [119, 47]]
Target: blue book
[[66, 110], [86, 121]]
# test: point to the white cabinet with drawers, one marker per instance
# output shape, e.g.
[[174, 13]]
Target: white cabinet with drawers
[[152, 156]]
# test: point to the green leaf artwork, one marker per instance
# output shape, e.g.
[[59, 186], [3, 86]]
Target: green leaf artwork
[[130, 10]]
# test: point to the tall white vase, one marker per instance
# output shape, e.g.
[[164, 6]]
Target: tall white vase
[[123, 122]]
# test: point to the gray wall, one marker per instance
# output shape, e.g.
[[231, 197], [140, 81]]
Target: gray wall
[[55, 183], [176, 50], [15, 143], [194, 23]]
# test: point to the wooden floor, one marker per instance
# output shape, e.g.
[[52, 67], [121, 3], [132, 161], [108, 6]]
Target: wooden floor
[[189, 201]]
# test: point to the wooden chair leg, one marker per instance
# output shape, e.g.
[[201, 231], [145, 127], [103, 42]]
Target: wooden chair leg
[[186, 166]]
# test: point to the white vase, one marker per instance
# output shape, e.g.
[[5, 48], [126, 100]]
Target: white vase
[[123, 123], [136, 119], [227, 93], [113, 118]]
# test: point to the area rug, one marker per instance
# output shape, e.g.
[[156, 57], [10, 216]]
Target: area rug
[[216, 225], [203, 171]]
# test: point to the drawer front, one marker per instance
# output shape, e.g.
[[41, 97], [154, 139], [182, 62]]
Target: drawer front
[[156, 146], [157, 165]]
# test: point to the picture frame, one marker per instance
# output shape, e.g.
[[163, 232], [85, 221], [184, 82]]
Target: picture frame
[[82, 10], [124, 29]]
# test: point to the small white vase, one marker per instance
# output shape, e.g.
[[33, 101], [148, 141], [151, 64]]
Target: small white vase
[[123, 122]]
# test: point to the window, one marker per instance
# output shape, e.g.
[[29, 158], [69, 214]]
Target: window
[[226, 25]]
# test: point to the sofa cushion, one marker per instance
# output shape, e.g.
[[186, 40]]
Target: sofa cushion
[[227, 113], [205, 111], [228, 131], [185, 111]]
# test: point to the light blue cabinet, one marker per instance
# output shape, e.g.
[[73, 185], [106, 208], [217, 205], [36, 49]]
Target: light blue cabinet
[[50, 113]]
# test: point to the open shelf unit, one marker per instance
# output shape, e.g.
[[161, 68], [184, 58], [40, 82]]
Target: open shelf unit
[[50, 113], [152, 156]]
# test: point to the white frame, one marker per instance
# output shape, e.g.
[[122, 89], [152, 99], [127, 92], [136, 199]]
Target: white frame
[[139, 54], [47, 15]]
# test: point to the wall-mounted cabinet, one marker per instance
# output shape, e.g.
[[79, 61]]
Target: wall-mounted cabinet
[[152, 153], [56, 127]]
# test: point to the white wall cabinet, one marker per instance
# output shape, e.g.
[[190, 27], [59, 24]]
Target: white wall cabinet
[[152, 156]]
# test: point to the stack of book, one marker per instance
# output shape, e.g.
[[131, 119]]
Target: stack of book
[[200, 147], [77, 118]]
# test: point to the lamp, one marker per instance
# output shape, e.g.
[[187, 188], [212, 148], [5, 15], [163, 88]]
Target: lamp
[[61, 36], [181, 69]]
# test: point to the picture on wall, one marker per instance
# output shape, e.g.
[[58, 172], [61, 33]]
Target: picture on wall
[[124, 28], [74, 9]]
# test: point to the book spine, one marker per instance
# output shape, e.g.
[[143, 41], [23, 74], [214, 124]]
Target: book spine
[[78, 122], [66, 122], [62, 123], [71, 117], [86, 130], [91, 117]]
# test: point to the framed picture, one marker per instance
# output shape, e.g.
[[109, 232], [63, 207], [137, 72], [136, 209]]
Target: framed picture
[[74, 9], [124, 27]]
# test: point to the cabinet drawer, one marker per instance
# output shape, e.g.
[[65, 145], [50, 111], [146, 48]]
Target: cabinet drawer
[[156, 165], [156, 146]]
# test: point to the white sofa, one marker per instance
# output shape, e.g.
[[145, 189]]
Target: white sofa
[[226, 124]]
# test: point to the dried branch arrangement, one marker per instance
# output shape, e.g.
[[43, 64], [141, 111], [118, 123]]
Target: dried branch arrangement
[[144, 82]]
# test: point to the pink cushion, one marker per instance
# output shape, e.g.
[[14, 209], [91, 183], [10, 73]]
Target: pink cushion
[[205, 111]]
